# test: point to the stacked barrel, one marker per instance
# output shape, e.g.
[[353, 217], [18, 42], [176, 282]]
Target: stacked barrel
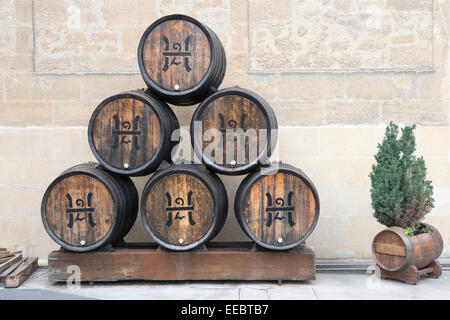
[[233, 131]]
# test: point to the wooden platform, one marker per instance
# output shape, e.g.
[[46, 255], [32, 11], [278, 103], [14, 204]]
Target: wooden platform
[[15, 269], [411, 274], [217, 261]]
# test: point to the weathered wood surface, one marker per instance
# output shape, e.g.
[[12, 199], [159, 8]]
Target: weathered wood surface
[[183, 206], [11, 268], [395, 251], [181, 60], [22, 273], [179, 209], [9, 254], [230, 114], [6, 259], [80, 210], [391, 249], [294, 223], [176, 55], [218, 261], [278, 210], [411, 274], [234, 131], [5, 265], [86, 207], [126, 133]]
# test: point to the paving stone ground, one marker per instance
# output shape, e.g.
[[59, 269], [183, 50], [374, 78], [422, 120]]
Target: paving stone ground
[[328, 285]]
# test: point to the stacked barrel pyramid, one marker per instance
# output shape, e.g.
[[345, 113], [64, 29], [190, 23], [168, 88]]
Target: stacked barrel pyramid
[[183, 206]]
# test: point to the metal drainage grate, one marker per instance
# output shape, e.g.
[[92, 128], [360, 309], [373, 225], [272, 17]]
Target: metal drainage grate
[[445, 266], [342, 267], [357, 267]]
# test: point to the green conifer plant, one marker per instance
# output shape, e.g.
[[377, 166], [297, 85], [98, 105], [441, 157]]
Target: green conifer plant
[[401, 194]]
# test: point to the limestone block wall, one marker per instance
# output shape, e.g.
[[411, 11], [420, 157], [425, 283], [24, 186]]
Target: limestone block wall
[[335, 72]]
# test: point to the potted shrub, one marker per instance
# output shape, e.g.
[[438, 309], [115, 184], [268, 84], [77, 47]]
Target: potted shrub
[[401, 197]]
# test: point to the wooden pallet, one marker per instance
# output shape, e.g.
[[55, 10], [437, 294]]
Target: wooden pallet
[[14, 269], [411, 274], [216, 261]]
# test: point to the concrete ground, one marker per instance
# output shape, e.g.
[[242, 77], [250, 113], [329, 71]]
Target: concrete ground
[[329, 285]]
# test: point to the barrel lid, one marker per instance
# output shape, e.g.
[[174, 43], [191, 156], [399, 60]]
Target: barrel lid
[[278, 209], [234, 131], [178, 207], [79, 211], [175, 54], [392, 249], [126, 132]]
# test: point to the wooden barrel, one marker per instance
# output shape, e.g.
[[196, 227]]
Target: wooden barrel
[[87, 207], [183, 206], [396, 251], [181, 59], [233, 131], [130, 133], [277, 207]]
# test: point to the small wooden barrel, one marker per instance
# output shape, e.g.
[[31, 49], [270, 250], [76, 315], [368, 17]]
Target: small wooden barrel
[[277, 207], [130, 133], [181, 59], [396, 251], [183, 206], [87, 207], [233, 131]]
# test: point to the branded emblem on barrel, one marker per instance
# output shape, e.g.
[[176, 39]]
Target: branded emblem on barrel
[[81, 208], [179, 207], [231, 123], [173, 56], [122, 131], [278, 208]]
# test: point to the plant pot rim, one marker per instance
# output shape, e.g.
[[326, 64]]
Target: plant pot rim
[[433, 229]]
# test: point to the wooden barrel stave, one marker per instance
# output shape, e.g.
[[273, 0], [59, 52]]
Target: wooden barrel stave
[[438, 242], [130, 133], [239, 109], [97, 209], [420, 250], [120, 198], [178, 50], [209, 88], [222, 202], [132, 208], [183, 203], [277, 207]]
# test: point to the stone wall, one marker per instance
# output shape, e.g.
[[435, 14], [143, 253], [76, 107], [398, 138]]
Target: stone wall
[[335, 72]]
